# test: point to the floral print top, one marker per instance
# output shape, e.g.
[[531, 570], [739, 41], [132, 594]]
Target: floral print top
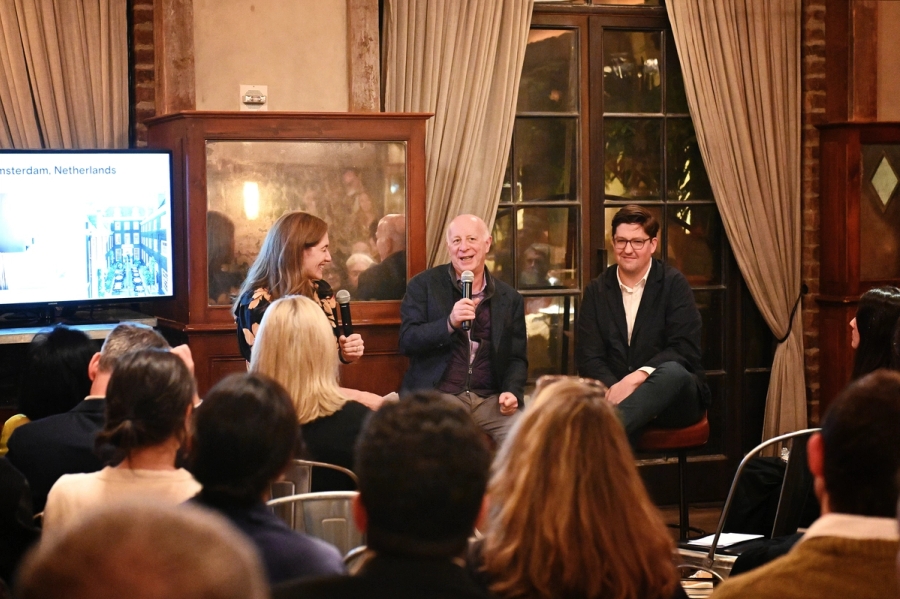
[[254, 304]]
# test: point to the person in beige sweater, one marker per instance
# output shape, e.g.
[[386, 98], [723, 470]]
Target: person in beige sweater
[[850, 551], [148, 400]]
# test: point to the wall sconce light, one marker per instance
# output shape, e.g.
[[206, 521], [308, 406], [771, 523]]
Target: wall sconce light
[[251, 200]]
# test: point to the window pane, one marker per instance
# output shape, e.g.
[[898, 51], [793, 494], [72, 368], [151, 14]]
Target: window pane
[[545, 160], [687, 178], [609, 213], [550, 72], [506, 189], [694, 237], [676, 100], [499, 260], [550, 322], [547, 241], [712, 338], [632, 155], [631, 75]]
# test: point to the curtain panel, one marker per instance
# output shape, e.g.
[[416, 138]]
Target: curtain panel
[[462, 61], [741, 65], [65, 74]]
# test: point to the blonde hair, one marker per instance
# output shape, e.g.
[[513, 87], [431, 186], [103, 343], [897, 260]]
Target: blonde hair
[[570, 516], [295, 346], [279, 265]]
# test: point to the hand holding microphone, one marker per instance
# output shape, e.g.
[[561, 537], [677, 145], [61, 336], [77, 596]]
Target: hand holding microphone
[[464, 310], [351, 344]]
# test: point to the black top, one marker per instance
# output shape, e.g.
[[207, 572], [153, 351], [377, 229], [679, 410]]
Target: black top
[[390, 577], [286, 554], [253, 305], [46, 449], [331, 439]]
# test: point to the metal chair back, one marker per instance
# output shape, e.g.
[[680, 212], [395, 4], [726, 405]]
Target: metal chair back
[[327, 516], [298, 478], [794, 489]]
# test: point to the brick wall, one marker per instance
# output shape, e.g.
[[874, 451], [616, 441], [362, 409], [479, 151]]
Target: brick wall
[[812, 52], [142, 69]]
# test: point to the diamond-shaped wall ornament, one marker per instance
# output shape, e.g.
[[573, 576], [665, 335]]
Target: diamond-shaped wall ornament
[[884, 181]]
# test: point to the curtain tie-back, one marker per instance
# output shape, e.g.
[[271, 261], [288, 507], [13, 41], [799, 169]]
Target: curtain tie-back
[[803, 291]]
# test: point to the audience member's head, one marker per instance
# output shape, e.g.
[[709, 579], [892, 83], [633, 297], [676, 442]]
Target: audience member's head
[[55, 374], [295, 346], [144, 551], [569, 514], [356, 265], [423, 467], [244, 435], [856, 457], [872, 329], [147, 401], [390, 236], [126, 337]]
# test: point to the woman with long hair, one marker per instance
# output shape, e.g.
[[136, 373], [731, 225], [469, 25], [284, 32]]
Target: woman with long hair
[[295, 346], [291, 262], [148, 399], [569, 515], [872, 329]]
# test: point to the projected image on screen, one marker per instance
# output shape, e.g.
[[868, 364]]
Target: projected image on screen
[[77, 227]]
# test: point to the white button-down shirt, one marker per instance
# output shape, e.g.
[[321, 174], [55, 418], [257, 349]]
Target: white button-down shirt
[[631, 298]]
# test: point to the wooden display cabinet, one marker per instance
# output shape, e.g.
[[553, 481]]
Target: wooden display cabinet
[[859, 234], [235, 173]]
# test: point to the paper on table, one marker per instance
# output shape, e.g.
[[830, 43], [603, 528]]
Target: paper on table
[[726, 539]]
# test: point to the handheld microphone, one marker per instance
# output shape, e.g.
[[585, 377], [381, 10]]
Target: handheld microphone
[[343, 300], [467, 278]]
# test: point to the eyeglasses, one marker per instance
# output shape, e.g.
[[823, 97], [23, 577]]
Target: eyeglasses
[[636, 244], [548, 379]]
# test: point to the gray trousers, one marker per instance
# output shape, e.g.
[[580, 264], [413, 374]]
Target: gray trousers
[[669, 398], [485, 412]]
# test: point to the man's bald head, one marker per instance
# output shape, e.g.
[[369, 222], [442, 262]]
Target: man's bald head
[[468, 241], [390, 237]]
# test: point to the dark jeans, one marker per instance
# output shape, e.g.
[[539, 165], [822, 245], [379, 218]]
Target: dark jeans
[[669, 398]]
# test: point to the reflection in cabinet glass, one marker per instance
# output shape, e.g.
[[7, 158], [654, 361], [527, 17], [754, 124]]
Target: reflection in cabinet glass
[[350, 185]]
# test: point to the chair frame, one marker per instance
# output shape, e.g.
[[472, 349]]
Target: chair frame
[[303, 484], [790, 503], [298, 522]]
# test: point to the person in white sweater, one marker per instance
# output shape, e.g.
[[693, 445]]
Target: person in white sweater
[[148, 401]]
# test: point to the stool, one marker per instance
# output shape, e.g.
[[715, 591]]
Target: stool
[[678, 440]]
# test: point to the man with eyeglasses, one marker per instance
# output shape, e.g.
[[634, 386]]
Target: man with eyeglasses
[[639, 332]]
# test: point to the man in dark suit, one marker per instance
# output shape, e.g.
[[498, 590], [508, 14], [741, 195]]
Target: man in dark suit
[[639, 332], [387, 279], [423, 469], [46, 449], [484, 367]]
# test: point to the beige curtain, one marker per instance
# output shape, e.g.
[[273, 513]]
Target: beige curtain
[[741, 64], [65, 73], [461, 60]]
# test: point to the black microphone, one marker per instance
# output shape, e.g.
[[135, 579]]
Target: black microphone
[[467, 278], [343, 300]]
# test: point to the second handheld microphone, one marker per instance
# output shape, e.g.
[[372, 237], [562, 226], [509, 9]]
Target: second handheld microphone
[[343, 300]]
